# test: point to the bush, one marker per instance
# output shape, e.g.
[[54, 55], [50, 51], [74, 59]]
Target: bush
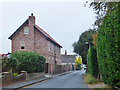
[[108, 48], [92, 64], [27, 61], [4, 61], [89, 79], [15, 74], [78, 67]]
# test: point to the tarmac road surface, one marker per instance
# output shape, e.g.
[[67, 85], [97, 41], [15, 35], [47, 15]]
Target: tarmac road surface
[[71, 80]]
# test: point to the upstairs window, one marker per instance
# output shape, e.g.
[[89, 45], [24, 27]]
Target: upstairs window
[[55, 49], [49, 46], [22, 46], [26, 30]]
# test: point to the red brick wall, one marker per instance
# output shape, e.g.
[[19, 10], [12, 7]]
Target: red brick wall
[[35, 41], [20, 37]]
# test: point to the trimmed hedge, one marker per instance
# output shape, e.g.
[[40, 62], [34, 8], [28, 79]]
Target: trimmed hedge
[[27, 61], [108, 48], [92, 64]]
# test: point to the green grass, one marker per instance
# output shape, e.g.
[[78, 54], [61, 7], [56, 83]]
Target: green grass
[[89, 79]]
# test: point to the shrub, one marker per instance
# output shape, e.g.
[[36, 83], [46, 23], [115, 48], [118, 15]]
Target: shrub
[[15, 74], [27, 61], [78, 66], [4, 61], [92, 64], [108, 48]]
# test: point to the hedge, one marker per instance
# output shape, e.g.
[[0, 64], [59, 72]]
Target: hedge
[[92, 64], [27, 61], [108, 48]]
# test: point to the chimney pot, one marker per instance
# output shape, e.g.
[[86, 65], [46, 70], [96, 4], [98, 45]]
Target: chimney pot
[[31, 14], [65, 52]]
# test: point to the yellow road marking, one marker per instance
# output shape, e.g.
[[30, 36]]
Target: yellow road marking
[[35, 83]]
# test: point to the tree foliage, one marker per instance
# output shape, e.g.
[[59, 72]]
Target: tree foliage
[[92, 64], [94, 36], [80, 47], [78, 63], [27, 61], [101, 9], [108, 48]]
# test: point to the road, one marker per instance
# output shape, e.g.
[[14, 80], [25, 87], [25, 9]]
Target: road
[[71, 80]]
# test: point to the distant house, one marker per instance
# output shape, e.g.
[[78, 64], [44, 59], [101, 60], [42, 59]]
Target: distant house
[[30, 37], [68, 60]]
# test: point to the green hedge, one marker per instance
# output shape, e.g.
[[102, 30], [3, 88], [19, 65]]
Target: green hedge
[[92, 64], [108, 48], [27, 61]]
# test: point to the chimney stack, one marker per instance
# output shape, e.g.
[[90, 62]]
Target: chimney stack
[[65, 52], [31, 19]]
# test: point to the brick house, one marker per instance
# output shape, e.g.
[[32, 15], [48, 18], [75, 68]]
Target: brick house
[[30, 37], [68, 60]]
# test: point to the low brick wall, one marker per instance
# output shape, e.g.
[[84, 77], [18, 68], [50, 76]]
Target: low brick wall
[[30, 76], [61, 68], [8, 79]]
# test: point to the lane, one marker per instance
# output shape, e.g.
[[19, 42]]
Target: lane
[[72, 80]]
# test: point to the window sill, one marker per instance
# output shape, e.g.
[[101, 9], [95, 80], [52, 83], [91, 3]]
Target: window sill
[[22, 49], [26, 33]]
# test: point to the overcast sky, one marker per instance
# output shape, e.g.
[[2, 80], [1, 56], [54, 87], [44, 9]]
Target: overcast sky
[[64, 21]]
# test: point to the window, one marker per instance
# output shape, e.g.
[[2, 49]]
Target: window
[[22, 46], [25, 30], [49, 47], [55, 50], [59, 50], [52, 48]]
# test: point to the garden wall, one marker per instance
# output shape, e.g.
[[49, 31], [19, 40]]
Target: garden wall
[[8, 79], [31, 76], [62, 68]]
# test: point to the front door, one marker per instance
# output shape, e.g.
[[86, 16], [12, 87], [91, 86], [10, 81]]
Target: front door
[[46, 67]]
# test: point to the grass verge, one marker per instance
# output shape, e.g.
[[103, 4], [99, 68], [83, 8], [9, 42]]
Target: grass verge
[[89, 79], [94, 83]]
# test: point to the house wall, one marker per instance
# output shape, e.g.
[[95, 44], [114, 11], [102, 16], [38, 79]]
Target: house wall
[[42, 47], [20, 37], [35, 41], [41, 43]]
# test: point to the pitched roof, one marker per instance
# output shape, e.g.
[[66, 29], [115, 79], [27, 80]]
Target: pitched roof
[[48, 37], [68, 58]]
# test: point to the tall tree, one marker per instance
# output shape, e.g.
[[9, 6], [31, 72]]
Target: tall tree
[[102, 8], [80, 47]]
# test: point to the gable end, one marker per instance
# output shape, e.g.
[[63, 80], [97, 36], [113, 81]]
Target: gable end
[[18, 29]]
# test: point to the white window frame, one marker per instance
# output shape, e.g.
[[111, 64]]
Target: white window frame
[[26, 31], [22, 44], [49, 46]]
